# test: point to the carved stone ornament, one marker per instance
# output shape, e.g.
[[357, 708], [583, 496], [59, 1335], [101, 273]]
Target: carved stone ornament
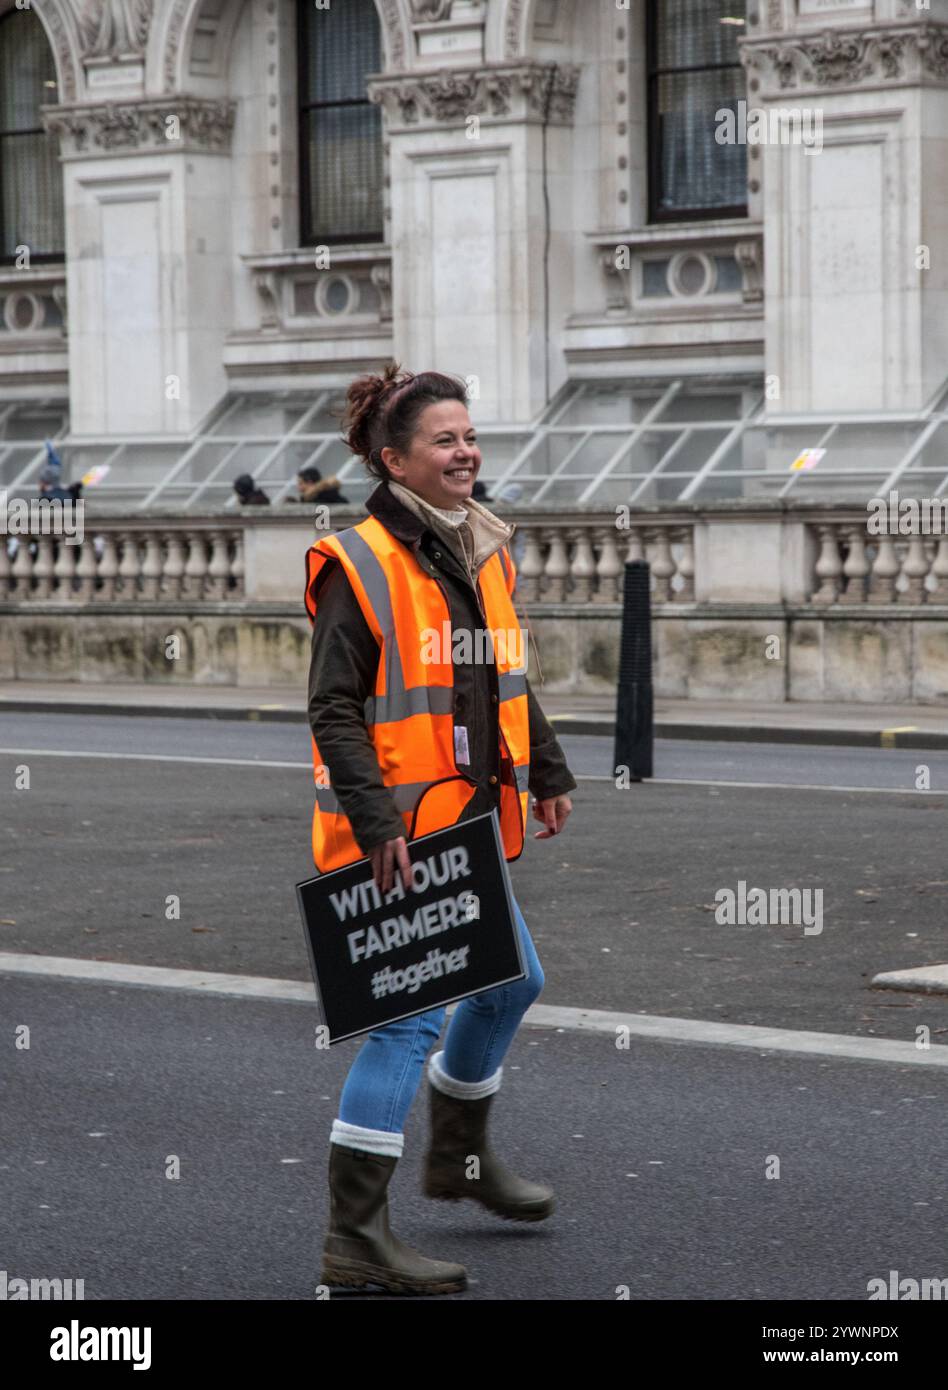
[[839, 59], [617, 281], [267, 285], [431, 11], [65, 55], [114, 28], [502, 92], [173, 35], [394, 31], [168, 125], [381, 278], [750, 258], [513, 28]]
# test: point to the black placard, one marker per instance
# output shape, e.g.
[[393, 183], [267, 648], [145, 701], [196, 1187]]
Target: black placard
[[377, 958]]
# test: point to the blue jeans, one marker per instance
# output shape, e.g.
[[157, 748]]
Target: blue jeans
[[387, 1071]]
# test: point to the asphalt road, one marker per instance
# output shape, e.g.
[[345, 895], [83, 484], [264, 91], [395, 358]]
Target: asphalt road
[[792, 764], [621, 906], [658, 1156]]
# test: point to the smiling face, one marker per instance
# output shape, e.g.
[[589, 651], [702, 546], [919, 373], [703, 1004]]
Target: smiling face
[[444, 459]]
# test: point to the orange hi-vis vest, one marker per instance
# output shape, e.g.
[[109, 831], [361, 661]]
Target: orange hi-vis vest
[[410, 716]]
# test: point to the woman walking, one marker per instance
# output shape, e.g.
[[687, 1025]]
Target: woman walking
[[415, 742]]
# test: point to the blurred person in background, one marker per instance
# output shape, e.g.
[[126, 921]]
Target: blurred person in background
[[312, 487], [248, 494]]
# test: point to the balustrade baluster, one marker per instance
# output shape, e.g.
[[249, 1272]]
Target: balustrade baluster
[[829, 566], [686, 566], [608, 566], [557, 567], [856, 567], [915, 568], [884, 573], [583, 566]]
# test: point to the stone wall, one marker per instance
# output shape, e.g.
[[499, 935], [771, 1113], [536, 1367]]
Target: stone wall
[[702, 653]]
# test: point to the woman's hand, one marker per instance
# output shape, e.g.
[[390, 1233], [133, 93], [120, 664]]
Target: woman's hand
[[552, 813], [384, 857]]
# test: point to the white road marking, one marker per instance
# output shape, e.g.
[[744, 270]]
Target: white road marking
[[776, 786], [150, 757], [580, 776], [647, 1026]]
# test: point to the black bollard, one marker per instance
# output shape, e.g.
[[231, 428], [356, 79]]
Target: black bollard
[[635, 728]]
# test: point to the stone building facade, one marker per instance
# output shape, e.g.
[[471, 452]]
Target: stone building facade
[[280, 193]]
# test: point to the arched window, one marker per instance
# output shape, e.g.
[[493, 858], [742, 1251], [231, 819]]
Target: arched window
[[694, 78], [31, 184], [340, 130]]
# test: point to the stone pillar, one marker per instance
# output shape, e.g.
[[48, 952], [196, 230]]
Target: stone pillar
[[474, 281], [148, 255], [856, 211]]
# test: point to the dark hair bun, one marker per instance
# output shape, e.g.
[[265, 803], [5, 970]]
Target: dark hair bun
[[384, 410], [365, 405]]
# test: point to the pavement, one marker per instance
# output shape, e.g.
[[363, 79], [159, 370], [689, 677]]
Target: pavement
[[745, 721]]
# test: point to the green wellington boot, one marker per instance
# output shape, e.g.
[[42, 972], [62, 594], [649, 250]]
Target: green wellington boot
[[360, 1248], [458, 1135]]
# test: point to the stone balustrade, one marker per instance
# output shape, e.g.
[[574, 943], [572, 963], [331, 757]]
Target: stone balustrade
[[118, 561], [584, 563], [559, 560], [721, 555], [750, 600], [853, 566]]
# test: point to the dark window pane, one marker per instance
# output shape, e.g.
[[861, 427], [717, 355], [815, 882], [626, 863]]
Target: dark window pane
[[31, 196], [345, 171], [31, 191], [341, 46], [691, 33], [340, 130], [696, 171], [695, 77]]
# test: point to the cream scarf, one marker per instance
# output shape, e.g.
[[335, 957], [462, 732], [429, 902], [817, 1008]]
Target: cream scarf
[[470, 531]]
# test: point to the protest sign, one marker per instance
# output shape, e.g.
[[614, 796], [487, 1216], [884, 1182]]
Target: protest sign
[[377, 958]]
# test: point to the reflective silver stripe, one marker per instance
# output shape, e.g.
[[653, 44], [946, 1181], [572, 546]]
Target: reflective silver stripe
[[404, 796], [372, 575], [512, 684], [374, 582], [420, 699], [522, 775], [503, 562]]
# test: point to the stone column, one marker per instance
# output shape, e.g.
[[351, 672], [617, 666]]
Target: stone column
[[474, 282], [147, 196], [856, 211]]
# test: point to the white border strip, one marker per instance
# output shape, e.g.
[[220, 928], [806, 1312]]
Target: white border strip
[[646, 1026]]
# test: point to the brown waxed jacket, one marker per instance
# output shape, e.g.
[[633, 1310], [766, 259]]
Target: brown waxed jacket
[[342, 676]]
